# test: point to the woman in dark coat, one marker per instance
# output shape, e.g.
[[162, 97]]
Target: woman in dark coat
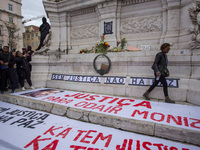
[[23, 69], [161, 72]]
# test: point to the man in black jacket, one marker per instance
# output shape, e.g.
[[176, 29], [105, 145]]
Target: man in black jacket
[[7, 62], [161, 72]]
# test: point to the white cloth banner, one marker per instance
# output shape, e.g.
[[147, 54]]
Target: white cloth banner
[[182, 116], [27, 129]]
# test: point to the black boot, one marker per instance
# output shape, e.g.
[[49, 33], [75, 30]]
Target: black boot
[[168, 100], [145, 95]]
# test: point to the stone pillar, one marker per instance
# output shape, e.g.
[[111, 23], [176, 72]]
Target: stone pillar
[[108, 12], [171, 22], [63, 31], [68, 32], [55, 29]]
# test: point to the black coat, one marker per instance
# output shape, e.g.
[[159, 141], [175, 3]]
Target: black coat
[[160, 62], [22, 66], [8, 58]]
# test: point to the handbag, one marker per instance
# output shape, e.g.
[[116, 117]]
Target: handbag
[[165, 72]]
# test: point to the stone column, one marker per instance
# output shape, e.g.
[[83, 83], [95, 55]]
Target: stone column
[[171, 21], [55, 29], [68, 33], [63, 31], [108, 13]]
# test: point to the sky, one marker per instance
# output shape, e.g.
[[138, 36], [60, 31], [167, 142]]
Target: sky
[[32, 9]]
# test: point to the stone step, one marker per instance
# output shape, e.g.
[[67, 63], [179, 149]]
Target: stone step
[[177, 122], [41, 130]]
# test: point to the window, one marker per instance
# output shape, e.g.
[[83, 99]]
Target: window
[[24, 36], [32, 35], [1, 28], [10, 19], [24, 45], [32, 44], [36, 34], [10, 7], [28, 36], [1, 44], [36, 43], [11, 33]]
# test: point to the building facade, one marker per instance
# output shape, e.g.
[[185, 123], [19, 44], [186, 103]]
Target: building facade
[[31, 37], [11, 24]]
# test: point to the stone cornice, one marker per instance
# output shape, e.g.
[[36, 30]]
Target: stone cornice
[[133, 2], [67, 6], [127, 63], [11, 13], [15, 1], [83, 11]]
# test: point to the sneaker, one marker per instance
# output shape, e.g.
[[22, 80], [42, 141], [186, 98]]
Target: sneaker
[[2, 92], [23, 89], [168, 100], [145, 95], [32, 87]]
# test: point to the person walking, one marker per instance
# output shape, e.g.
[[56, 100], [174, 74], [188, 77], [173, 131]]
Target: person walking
[[160, 72], [23, 69], [7, 62]]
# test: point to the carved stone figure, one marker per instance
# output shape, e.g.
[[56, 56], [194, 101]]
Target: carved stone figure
[[44, 31], [194, 13]]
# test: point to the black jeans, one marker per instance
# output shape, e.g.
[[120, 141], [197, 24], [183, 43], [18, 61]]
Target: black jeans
[[24, 75], [164, 83], [5, 74]]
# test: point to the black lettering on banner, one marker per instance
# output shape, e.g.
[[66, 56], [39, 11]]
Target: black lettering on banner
[[57, 77], [135, 81], [77, 78], [26, 123], [139, 81], [115, 80], [24, 118], [2, 109], [4, 118]]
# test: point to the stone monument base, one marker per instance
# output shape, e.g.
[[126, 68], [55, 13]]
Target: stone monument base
[[130, 75]]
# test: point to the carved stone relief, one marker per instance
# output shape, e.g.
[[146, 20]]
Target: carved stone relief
[[83, 11], [83, 32], [194, 13], [141, 25], [132, 2]]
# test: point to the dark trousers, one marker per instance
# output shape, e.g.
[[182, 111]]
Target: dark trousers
[[164, 83], [22, 76], [5, 74], [16, 79]]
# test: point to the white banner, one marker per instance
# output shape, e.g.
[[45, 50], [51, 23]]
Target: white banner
[[182, 116], [26, 129]]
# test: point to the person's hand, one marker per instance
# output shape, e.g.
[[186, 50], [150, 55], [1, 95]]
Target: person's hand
[[6, 64], [158, 73], [1, 62]]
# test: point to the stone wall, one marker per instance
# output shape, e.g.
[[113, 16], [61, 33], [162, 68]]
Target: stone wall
[[124, 64]]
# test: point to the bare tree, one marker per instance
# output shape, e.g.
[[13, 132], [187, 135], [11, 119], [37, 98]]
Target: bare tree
[[12, 33]]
